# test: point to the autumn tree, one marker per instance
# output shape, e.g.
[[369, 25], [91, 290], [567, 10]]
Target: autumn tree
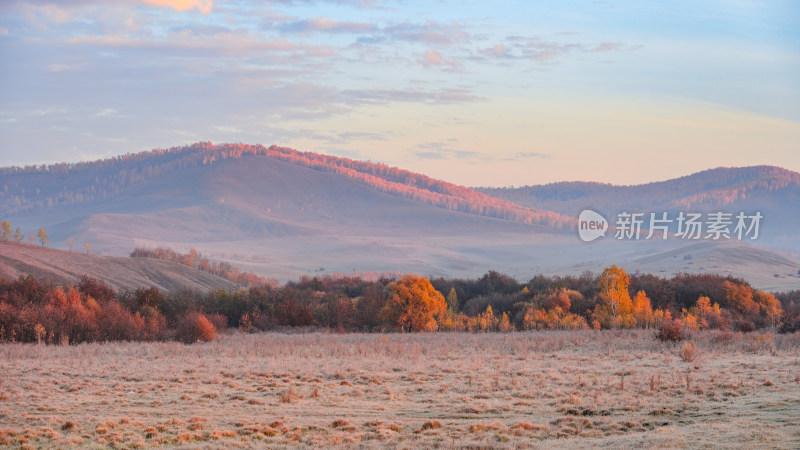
[[87, 246], [6, 230], [42, 235], [616, 310], [414, 304], [504, 325], [452, 301], [487, 320], [642, 310], [769, 307], [559, 299], [18, 235]]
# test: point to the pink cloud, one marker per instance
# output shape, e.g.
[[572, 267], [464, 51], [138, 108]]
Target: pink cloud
[[326, 25], [608, 47], [204, 6], [433, 58]]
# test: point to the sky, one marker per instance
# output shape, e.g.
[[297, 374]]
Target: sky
[[477, 93]]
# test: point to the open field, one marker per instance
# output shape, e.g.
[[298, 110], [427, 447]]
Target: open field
[[533, 389]]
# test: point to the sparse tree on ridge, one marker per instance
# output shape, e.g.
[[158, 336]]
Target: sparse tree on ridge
[[6, 230], [18, 235], [70, 243], [87, 246], [42, 235]]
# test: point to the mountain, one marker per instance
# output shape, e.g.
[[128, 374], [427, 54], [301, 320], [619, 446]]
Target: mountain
[[63, 267], [772, 191], [283, 214]]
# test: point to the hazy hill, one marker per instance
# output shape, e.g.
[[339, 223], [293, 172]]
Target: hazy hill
[[63, 267], [773, 191], [34, 188], [283, 214]]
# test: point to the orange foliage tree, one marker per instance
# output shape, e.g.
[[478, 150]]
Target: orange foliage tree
[[616, 311], [414, 304]]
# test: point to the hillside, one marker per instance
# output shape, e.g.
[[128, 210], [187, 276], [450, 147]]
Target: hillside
[[773, 191], [35, 188], [63, 267], [283, 214]]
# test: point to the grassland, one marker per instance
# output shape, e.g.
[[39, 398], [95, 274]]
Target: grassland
[[543, 389]]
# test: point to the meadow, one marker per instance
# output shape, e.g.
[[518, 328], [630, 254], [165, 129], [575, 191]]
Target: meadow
[[615, 388]]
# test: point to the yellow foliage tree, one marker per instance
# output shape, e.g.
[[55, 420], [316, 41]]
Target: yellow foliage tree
[[616, 311], [6, 233], [452, 301], [642, 310], [42, 235], [487, 320], [504, 326], [414, 304]]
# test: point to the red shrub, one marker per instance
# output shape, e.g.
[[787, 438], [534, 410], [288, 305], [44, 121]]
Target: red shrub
[[194, 327], [671, 331], [116, 323], [219, 321], [96, 289]]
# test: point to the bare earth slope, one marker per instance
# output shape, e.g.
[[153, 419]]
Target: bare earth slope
[[119, 272]]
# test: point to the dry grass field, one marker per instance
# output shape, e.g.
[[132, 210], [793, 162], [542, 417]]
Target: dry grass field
[[538, 389]]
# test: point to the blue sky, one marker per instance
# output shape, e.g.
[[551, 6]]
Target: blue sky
[[478, 93]]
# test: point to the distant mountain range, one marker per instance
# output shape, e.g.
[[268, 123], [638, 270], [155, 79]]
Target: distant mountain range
[[772, 191], [284, 213]]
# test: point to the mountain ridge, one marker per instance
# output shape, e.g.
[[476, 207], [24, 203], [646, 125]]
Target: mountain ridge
[[283, 214], [389, 179], [771, 190]]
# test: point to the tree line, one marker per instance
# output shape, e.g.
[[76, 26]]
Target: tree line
[[17, 236], [33, 310], [195, 259]]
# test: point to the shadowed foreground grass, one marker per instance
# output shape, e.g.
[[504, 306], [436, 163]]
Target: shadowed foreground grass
[[586, 388]]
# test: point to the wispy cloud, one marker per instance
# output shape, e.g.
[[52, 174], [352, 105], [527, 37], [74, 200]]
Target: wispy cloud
[[432, 58], [320, 24], [444, 96], [429, 32], [204, 6], [61, 67], [108, 112], [608, 47], [442, 151], [544, 50], [528, 155], [226, 44]]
